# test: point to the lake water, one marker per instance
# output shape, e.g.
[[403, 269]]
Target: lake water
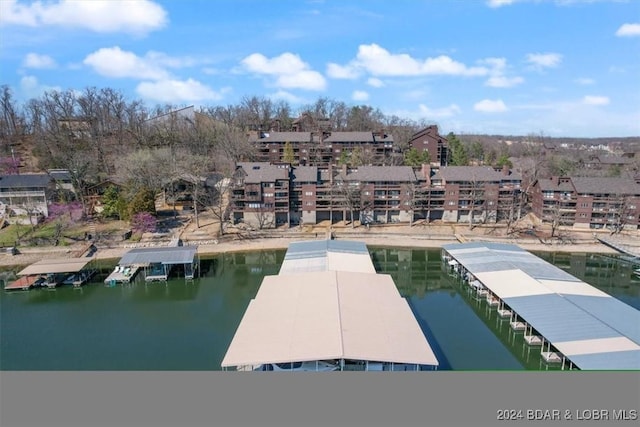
[[189, 325]]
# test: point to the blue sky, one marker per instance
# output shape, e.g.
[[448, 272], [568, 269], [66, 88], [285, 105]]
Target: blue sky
[[556, 67]]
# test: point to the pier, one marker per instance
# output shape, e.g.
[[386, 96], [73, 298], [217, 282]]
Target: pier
[[575, 324]]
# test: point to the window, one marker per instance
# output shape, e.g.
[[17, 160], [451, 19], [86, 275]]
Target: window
[[254, 205], [547, 194], [309, 204], [268, 194], [308, 193], [451, 203], [451, 193], [585, 205], [583, 215]]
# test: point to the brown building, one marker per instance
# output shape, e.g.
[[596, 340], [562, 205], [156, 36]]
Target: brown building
[[370, 194], [260, 194], [323, 148], [428, 139], [587, 202], [474, 194]]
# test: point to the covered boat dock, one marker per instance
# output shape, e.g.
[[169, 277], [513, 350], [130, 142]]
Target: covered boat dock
[[576, 324], [328, 305], [54, 272], [157, 263]]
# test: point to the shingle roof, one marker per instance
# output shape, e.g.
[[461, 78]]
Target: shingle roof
[[614, 160], [381, 173], [470, 173], [263, 172], [305, 174], [551, 185], [26, 180], [605, 185], [350, 137], [281, 137]]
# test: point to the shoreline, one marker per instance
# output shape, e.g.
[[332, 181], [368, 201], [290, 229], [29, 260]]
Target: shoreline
[[31, 255]]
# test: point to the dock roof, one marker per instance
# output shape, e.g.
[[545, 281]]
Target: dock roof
[[328, 315], [162, 255], [54, 266], [327, 255], [588, 326], [327, 302]]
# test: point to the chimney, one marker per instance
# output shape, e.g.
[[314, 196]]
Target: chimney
[[505, 170]]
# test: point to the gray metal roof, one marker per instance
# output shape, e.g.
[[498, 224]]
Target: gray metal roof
[[591, 328], [162, 255], [327, 255], [33, 180]]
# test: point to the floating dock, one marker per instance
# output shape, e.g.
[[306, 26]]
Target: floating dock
[[122, 274], [24, 283], [576, 324], [328, 305]]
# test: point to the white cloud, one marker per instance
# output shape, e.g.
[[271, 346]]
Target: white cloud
[[595, 100], [115, 62], [490, 106], [499, 3], [34, 60], [374, 82], [175, 91], [497, 71], [290, 71], [380, 62], [585, 81], [289, 97], [628, 30], [359, 95], [503, 81], [544, 60], [336, 71], [137, 17], [31, 87], [439, 113]]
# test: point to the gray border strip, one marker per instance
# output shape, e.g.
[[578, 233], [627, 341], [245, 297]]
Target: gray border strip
[[315, 399]]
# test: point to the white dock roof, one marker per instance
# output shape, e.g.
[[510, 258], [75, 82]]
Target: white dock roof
[[54, 266], [328, 315]]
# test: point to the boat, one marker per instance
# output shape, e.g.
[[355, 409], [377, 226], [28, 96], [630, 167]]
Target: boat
[[311, 366]]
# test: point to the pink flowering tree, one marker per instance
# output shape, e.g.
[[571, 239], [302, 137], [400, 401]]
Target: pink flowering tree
[[143, 222], [72, 211], [9, 165]]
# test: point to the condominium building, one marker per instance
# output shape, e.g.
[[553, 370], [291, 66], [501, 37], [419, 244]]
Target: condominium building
[[429, 140], [267, 194], [580, 202], [323, 148]]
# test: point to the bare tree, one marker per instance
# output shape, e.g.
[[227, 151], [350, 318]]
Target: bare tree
[[348, 195]]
